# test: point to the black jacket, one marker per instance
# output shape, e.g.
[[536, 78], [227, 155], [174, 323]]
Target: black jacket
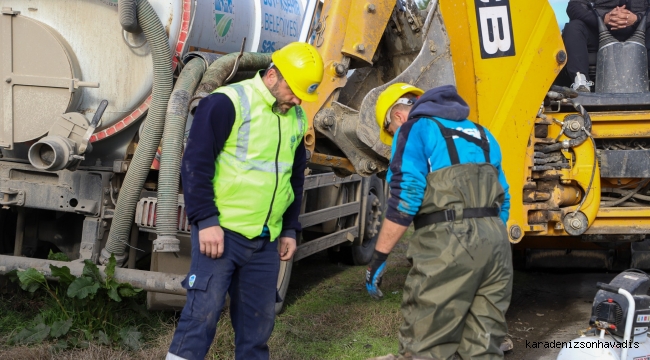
[[580, 10]]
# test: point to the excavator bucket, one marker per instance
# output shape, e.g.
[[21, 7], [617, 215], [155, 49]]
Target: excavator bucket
[[389, 43], [432, 67]]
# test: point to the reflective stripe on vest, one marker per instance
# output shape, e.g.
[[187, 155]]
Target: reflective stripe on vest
[[252, 187], [244, 130], [259, 165]]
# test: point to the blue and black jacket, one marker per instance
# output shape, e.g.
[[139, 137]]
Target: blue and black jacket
[[420, 149]]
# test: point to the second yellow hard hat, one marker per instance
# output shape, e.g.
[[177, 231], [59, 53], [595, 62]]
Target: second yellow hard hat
[[386, 100]]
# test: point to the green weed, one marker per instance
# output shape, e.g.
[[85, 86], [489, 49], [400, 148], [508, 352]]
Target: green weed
[[328, 315], [78, 310]]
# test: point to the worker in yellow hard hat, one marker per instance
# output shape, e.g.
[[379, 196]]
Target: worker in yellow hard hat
[[392, 109], [446, 178], [239, 201]]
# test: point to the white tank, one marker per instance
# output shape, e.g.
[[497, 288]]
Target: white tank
[[88, 33], [267, 25], [83, 40]]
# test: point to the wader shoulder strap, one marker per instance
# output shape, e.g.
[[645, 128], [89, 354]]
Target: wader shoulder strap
[[449, 134]]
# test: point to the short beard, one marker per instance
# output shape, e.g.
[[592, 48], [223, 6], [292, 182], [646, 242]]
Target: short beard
[[277, 106]]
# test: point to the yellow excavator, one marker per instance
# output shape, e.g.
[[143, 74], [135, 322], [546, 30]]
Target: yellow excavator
[[578, 166], [90, 178]]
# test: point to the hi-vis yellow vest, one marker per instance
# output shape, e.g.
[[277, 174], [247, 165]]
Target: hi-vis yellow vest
[[252, 178]]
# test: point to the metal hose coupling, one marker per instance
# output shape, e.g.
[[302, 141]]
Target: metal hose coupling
[[53, 153], [167, 244], [105, 255]]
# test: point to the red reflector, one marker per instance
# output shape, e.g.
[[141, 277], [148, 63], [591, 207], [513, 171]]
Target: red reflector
[[613, 327], [610, 300]]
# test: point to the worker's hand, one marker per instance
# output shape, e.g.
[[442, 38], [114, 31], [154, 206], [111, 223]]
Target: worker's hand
[[374, 274], [211, 241], [620, 18], [611, 18], [287, 248], [628, 17]]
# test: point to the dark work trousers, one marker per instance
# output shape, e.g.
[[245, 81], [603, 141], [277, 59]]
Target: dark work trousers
[[581, 39], [248, 271]]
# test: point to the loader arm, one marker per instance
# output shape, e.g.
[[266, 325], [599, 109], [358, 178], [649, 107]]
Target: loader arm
[[383, 42], [346, 30], [502, 55]]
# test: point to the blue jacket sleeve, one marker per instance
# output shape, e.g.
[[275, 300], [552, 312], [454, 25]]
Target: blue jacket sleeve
[[495, 158], [290, 223], [407, 173], [213, 122]]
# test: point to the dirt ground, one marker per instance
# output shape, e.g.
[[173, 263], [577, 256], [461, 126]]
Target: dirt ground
[[546, 306], [550, 306]]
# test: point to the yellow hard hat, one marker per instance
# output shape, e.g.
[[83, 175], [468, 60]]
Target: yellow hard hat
[[302, 68], [385, 102]]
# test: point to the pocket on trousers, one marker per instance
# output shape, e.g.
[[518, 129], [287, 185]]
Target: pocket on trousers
[[199, 305], [196, 281]]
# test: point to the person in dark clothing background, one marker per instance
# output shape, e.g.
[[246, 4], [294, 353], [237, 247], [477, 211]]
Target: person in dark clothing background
[[580, 35]]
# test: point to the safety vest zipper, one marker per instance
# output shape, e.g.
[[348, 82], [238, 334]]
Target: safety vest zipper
[[277, 154]]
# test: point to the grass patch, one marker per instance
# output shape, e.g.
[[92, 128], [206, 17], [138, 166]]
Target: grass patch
[[328, 315], [19, 309], [75, 311]]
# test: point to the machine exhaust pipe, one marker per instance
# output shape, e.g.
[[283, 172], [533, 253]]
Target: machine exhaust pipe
[[53, 153]]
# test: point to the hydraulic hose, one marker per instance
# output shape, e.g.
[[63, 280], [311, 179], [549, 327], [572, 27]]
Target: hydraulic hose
[[150, 135], [578, 140], [219, 71], [628, 195], [170, 162], [128, 16], [563, 144]]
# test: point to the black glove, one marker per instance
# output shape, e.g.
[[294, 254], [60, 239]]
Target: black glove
[[374, 273]]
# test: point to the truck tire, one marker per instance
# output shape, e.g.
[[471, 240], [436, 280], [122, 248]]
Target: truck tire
[[284, 275], [375, 206]]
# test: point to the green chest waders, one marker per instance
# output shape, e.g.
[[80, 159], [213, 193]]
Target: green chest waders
[[459, 288]]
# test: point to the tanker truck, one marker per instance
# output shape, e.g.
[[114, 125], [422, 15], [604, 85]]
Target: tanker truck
[[90, 178], [90, 89]]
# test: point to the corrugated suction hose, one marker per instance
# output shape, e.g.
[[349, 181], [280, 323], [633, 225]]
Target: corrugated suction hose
[[170, 162], [219, 71], [150, 135], [128, 16]]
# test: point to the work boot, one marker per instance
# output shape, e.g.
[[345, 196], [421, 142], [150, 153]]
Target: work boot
[[583, 88], [581, 84], [506, 344]]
